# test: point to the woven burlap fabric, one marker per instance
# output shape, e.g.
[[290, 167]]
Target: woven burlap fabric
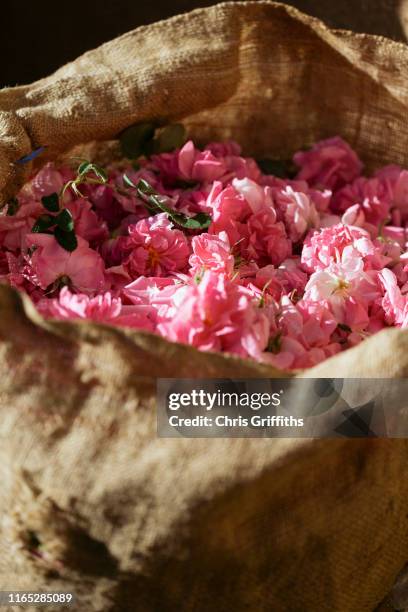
[[91, 500]]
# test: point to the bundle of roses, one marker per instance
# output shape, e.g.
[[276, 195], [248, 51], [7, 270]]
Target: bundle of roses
[[285, 265]]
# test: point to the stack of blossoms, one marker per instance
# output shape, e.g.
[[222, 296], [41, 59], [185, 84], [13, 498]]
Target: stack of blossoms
[[203, 247]]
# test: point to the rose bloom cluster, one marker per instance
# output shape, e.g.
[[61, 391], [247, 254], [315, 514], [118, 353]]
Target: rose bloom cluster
[[289, 271]]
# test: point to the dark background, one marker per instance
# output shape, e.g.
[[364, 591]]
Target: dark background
[[38, 37]]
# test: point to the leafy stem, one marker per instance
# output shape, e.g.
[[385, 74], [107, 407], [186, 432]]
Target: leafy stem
[[155, 203], [60, 225], [87, 173], [59, 222]]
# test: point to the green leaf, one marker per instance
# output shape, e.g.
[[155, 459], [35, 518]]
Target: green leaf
[[51, 202], [100, 173], [144, 188], [84, 167], [134, 139], [171, 137], [65, 221], [43, 223], [12, 207], [277, 167], [88, 167], [128, 181], [199, 221], [67, 240]]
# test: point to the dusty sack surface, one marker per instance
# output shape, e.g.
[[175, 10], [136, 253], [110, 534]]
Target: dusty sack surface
[[91, 499]]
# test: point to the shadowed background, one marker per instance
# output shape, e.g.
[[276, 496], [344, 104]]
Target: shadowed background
[[39, 37]]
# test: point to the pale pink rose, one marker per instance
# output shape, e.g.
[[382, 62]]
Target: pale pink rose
[[156, 248], [330, 164], [326, 246], [298, 211], [211, 253], [320, 197], [144, 289], [257, 197], [339, 284], [83, 268]]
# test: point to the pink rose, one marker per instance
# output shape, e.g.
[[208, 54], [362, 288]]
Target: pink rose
[[83, 268], [298, 211], [370, 194], [266, 240], [217, 314], [329, 164], [198, 165], [211, 253], [156, 248]]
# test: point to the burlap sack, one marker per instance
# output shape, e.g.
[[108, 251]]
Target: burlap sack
[[91, 500]]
